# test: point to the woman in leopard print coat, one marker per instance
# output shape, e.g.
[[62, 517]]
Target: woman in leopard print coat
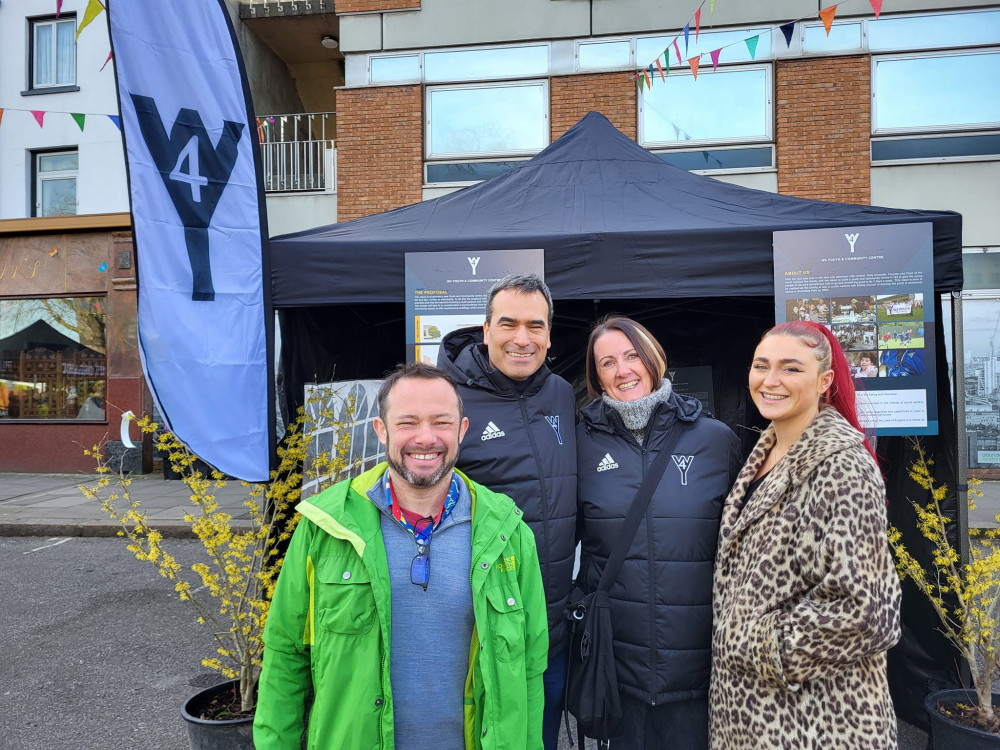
[[806, 597]]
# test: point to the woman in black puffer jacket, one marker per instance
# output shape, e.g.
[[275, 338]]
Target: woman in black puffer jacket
[[661, 604]]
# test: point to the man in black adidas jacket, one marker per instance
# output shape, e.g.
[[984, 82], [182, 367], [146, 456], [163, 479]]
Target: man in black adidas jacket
[[522, 441]]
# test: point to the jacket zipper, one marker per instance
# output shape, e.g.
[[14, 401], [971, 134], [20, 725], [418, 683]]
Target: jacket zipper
[[652, 583], [544, 501]]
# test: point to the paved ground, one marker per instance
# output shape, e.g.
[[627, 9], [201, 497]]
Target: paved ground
[[53, 505]]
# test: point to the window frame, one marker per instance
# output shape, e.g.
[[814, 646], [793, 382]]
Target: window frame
[[766, 139], [577, 44], [542, 83], [32, 87], [877, 132], [723, 170], [37, 179]]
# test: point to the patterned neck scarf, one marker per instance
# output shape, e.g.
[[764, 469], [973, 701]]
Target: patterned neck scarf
[[422, 531]]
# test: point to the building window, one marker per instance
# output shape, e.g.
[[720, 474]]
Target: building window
[[684, 111], [393, 69], [956, 91], [604, 55], [929, 31], [53, 358], [508, 119], [53, 53], [55, 175], [484, 64]]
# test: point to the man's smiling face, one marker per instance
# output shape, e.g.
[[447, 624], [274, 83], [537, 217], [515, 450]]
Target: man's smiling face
[[517, 338]]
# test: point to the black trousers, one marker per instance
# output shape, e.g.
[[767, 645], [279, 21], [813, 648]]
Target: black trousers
[[671, 726]]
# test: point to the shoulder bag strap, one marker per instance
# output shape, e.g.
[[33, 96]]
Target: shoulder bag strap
[[638, 509]]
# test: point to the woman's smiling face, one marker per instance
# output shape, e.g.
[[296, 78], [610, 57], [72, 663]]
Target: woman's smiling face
[[621, 372], [785, 381]]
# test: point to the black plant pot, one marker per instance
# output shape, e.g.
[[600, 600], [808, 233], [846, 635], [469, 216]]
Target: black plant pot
[[209, 734], [948, 734]]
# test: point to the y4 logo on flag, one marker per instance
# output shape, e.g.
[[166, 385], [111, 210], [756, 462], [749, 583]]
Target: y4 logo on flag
[[195, 174]]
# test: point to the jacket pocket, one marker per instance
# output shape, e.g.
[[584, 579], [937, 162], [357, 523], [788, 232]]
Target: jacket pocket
[[345, 604], [506, 622]]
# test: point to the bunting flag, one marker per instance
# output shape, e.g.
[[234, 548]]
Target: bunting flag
[[39, 117], [715, 57], [116, 120], [876, 6], [752, 46], [788, 29], [827, 15], [58, 8], [652, 75], [711, 8], [687, 29], [693, 62], [678, 51], [1, 115], [659, 68], [697, 23], [93, 10], [649, 82], [106, 61], [78, 119], [204, 318]]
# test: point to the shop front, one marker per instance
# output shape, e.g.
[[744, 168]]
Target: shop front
[[69, 360]]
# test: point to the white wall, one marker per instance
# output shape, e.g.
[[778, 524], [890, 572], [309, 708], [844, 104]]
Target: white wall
[[293, 212], [101, 186]]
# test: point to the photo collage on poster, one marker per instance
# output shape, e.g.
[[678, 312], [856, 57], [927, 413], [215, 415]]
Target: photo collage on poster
[[881, 334]]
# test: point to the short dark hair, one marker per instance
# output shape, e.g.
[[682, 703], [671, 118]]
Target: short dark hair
[[413, 370], [523, 283], [651, 354]]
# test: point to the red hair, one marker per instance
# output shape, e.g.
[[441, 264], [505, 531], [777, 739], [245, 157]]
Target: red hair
[[841, 394]]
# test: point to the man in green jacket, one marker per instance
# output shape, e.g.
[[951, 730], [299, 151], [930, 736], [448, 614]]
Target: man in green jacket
[[397, 652]]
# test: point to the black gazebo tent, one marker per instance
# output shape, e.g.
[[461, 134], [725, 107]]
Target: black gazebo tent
[[621, 230]]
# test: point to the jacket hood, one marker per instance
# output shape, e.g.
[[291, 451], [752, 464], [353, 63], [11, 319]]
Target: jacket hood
[[598, 415], [463, 355]]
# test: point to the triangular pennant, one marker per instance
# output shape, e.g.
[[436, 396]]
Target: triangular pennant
[[116, 120], [652, 73], [752, 45], [59, 8], [1, 115], [39, 117], [687, 30], [788, 29], [94, 9], [78, 119], [659, 68], [711, 8], [827, 15], [638, 81], [649, 82], [107, 60], [715, 57], [697, 23], [876, 6], [693, 62], [678, 51]]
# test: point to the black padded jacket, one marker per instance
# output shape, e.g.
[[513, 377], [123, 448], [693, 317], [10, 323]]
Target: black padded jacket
[[523, 445], [661, 604]]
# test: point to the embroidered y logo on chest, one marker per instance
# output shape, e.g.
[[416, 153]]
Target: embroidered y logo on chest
[[683, 463], [554, 424]]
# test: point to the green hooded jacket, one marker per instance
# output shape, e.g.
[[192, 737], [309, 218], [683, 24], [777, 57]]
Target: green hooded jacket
[[328, 629]]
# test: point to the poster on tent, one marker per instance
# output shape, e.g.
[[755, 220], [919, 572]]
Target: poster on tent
[[446, 291], [873, 286]]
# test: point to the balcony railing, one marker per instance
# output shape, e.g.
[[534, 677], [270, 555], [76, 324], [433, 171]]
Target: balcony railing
[[297, 154]]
